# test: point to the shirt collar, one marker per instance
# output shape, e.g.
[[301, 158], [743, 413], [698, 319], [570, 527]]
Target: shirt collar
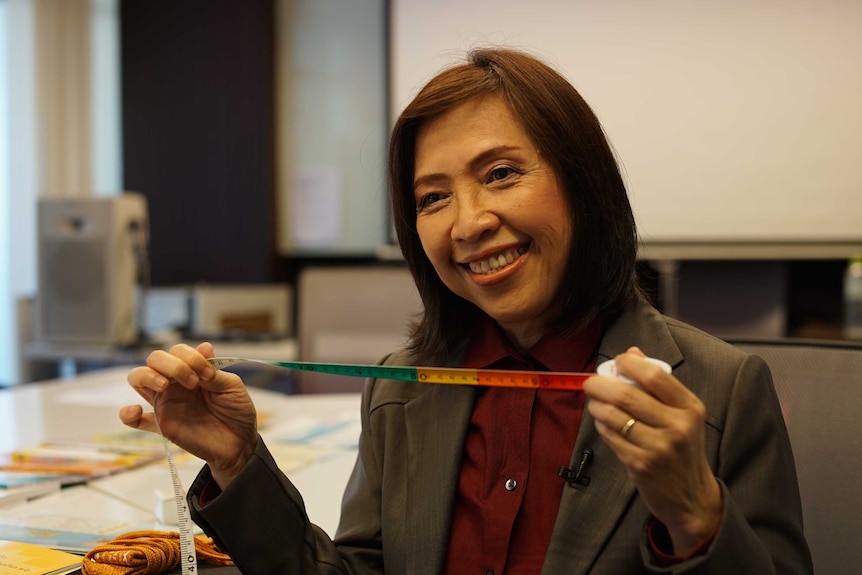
[[555, 353]]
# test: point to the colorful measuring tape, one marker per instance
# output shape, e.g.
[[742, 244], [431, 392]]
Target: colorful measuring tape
[[439, 375]]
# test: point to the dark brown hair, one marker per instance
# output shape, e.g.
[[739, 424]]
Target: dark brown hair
[[600, 279]]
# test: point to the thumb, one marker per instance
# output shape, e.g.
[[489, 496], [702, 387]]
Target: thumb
[[134, 416]]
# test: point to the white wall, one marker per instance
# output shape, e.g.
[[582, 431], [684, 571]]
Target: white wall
[[63, 132], [733, 120]]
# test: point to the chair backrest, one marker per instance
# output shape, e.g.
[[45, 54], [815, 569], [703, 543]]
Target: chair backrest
[[353, 314], [819, 385]]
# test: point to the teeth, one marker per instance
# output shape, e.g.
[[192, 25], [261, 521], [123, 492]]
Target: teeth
[[496, 261]]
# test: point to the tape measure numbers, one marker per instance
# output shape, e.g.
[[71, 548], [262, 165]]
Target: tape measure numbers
[[188, 556], [440, 375], [450, 375]]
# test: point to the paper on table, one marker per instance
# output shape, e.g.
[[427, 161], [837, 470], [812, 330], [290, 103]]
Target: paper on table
[[17, 558], [138, 486], [341, 432], [74, 519]]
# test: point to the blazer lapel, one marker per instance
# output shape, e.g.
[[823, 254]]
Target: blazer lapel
[[436, 427], [589, 514], [641, 326]]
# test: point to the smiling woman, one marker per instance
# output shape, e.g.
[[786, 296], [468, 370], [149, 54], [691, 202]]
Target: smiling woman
[[492, 217], [515, 224], [535, 132]]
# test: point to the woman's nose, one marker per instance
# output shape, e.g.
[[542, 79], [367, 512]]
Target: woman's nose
[[473, 218]]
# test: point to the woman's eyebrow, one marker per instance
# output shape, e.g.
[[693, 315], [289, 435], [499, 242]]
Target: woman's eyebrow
[[430, 180], [484, 157]]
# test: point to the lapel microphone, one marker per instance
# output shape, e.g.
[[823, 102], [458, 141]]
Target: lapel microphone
[[577, 477]]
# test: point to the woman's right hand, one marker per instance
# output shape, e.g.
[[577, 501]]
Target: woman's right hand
[[207, 412]]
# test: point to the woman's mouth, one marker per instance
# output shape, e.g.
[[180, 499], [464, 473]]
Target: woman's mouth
[[500, 260]]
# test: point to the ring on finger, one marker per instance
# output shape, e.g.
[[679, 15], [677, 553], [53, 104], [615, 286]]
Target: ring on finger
[[628, 426]]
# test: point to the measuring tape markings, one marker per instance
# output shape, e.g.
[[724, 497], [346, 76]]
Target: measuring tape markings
[[572, 381], [188, 556]]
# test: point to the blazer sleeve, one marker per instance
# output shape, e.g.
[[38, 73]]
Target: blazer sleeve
[[761, 530], [260, 521]]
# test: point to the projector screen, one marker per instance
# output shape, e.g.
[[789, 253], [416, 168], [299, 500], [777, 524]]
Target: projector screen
[[733, 121]]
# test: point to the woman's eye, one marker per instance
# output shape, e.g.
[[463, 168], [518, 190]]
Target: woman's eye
[[427, 200], [500, 173]]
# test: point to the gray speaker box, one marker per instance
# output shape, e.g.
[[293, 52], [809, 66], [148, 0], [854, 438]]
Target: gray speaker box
[[88, 254]]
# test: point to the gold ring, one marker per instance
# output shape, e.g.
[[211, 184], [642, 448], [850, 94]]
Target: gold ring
[[628, 426]]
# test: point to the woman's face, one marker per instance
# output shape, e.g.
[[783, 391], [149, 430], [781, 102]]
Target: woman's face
[[491, 215]]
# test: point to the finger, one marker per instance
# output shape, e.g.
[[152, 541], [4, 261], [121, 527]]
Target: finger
[[178, 364], [602, 412], [652, 378], [134, 416], [196, 360], [620, 422], [614, 436], [614, 402], [147, 382], [220, 380], [625, 396], [627, 451]]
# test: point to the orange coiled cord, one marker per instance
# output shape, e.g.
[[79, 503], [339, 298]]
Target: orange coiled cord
[[146, 553]]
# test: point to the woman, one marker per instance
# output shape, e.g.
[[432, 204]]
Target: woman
[[514, 220]]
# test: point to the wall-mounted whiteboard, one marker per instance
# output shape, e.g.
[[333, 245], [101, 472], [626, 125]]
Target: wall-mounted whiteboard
[[733, 120], [331, 127]]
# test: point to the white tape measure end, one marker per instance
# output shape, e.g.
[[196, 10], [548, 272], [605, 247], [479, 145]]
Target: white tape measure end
[[609, 369]]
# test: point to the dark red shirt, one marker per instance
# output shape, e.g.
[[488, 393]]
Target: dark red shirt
[[509, 489]]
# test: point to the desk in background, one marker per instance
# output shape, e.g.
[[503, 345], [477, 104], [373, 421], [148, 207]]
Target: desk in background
[[86, 406]]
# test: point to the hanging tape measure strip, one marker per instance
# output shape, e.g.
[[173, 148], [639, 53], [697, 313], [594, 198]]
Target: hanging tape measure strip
[[440, 375], [188, 556]]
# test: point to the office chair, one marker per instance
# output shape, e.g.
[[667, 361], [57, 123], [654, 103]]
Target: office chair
[[819, 385], [353, 314]]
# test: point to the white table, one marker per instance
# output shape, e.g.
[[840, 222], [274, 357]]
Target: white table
[[81, 408]]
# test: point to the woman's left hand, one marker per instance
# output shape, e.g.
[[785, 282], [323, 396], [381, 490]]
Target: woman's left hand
[[656, 429]]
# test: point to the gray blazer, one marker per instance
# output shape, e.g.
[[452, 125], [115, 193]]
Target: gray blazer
[[398, 503]]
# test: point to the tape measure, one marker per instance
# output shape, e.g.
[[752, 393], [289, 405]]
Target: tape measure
[[188, 556], [440, 375], [450, 375]]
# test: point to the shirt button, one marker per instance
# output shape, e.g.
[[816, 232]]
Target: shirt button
[[511, 484], [489, 572]]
